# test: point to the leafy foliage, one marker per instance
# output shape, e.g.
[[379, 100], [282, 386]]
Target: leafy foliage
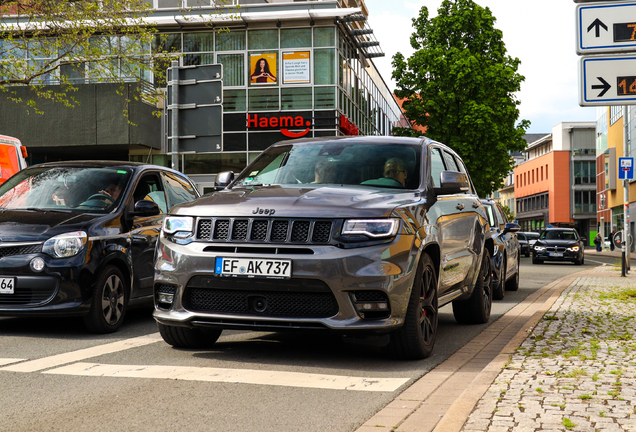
[[54, 45], [460, 85], [510, 215]]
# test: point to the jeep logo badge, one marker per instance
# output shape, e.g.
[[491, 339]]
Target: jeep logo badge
[[264, 211]]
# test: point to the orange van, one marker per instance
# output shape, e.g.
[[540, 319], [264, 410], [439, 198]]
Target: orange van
[[12, 157]]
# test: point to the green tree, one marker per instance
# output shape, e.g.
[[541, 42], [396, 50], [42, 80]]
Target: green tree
[[460, 84], [46, 42], [510, 215]]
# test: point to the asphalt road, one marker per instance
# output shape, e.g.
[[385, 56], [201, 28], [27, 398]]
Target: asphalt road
[[56, 377]]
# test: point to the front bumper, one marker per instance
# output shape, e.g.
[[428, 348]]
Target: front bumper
[[55, 291], [328, 284], [547, 255]]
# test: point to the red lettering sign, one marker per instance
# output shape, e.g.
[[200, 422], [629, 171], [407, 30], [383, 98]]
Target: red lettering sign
[[283, 122], [347, 127]]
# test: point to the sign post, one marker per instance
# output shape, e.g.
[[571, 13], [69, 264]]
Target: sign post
[[195, 98], [609, 27]]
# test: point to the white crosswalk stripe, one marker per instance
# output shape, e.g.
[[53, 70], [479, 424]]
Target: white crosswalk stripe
[[242, 376]]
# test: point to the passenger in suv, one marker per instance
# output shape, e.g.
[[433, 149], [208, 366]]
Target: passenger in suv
[[363, 253]]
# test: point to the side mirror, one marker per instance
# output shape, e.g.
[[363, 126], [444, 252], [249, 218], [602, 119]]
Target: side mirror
[[453, 182], [584, 239], [145, 208], [511, 227], [223, 179]]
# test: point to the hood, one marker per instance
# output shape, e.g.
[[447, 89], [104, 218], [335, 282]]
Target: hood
[[326, 201], [20, 226]]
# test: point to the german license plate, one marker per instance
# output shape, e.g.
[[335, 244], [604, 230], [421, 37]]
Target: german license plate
[[556, 254], [7, 285], [253, 267]]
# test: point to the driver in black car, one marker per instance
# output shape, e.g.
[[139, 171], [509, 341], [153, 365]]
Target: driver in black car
[[112, 190]]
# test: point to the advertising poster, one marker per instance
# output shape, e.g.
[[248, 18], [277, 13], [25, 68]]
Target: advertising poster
[[263, 68], [296, 67]]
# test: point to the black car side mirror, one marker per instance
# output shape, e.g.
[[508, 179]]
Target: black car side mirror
[[511, 227], [223, 179], [452, 182], [145, 208]]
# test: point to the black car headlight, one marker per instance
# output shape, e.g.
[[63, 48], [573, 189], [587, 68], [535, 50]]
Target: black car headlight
[[371, 228], [65, 245], [178, 227], [573, 249]]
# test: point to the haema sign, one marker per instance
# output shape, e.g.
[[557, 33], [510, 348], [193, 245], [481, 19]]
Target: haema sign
[[282, 122]]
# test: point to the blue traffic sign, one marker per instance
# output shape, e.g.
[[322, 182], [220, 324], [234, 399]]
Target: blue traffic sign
[[626, 168]]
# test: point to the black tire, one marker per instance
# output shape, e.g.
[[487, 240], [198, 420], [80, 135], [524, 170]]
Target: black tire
[[192, 338], [476, 310], [512, 284], [416, 338], [109, 302], [500, 290]]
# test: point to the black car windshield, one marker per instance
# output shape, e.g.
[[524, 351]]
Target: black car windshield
[[336, 163], [558, 235], [65, 188]]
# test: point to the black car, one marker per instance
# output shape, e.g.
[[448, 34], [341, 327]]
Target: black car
[[506, 256], [526, 241], [78, 238], [365, 235], [559, 244]]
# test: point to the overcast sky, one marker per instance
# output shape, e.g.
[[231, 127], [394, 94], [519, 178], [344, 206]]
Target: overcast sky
[[541, 33]]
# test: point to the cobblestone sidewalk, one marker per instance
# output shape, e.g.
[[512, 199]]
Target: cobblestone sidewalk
[[577, 369]]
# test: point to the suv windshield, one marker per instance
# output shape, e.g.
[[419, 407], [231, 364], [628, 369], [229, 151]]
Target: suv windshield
[[386, 166], [65, 189]]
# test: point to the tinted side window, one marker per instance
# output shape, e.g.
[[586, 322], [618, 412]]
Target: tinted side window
[[149, 188], [521, 236], [178, 189], [450, 162], [501, 217], [437, 166]]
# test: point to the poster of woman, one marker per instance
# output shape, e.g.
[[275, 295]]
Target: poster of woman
[[263, 68]]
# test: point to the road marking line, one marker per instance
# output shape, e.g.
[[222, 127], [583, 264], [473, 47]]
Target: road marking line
[[6, 361], [74, 356], [238, 376]]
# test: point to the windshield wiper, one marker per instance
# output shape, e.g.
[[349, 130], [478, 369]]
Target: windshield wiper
[[52, 210]]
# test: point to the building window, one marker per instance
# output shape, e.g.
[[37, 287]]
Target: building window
[[230, 41], [324, 66], [616, 113], [324, 36], [233, 69], [263, 99], [296, 98], [262, 39], [295, 38]]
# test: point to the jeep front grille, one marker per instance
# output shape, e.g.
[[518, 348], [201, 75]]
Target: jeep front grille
[[264, 230]]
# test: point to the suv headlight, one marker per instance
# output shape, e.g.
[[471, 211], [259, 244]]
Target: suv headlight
[[179, 227], [65, 245], [574, 249], [374, 228], [539, 248]]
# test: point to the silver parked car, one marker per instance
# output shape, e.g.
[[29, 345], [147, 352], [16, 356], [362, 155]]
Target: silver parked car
[[354, 235]]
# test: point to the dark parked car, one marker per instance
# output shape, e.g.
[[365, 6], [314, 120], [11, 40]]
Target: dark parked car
[[78, 238], [526, 241], [506, 256], [354, 235], [559, 244]]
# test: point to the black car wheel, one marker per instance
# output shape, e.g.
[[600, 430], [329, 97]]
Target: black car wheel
[[512, 284], [108, 305], [416, 338], [192, 338], [476, 310], [500, 290]]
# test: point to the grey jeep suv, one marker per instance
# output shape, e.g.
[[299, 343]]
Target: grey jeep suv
[[365, 234]]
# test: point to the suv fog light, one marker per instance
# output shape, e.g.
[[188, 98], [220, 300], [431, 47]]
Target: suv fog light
[[372, 306], [165, 298], [37, 264]]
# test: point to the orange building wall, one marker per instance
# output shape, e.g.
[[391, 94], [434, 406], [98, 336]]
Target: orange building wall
[[557, 182]]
